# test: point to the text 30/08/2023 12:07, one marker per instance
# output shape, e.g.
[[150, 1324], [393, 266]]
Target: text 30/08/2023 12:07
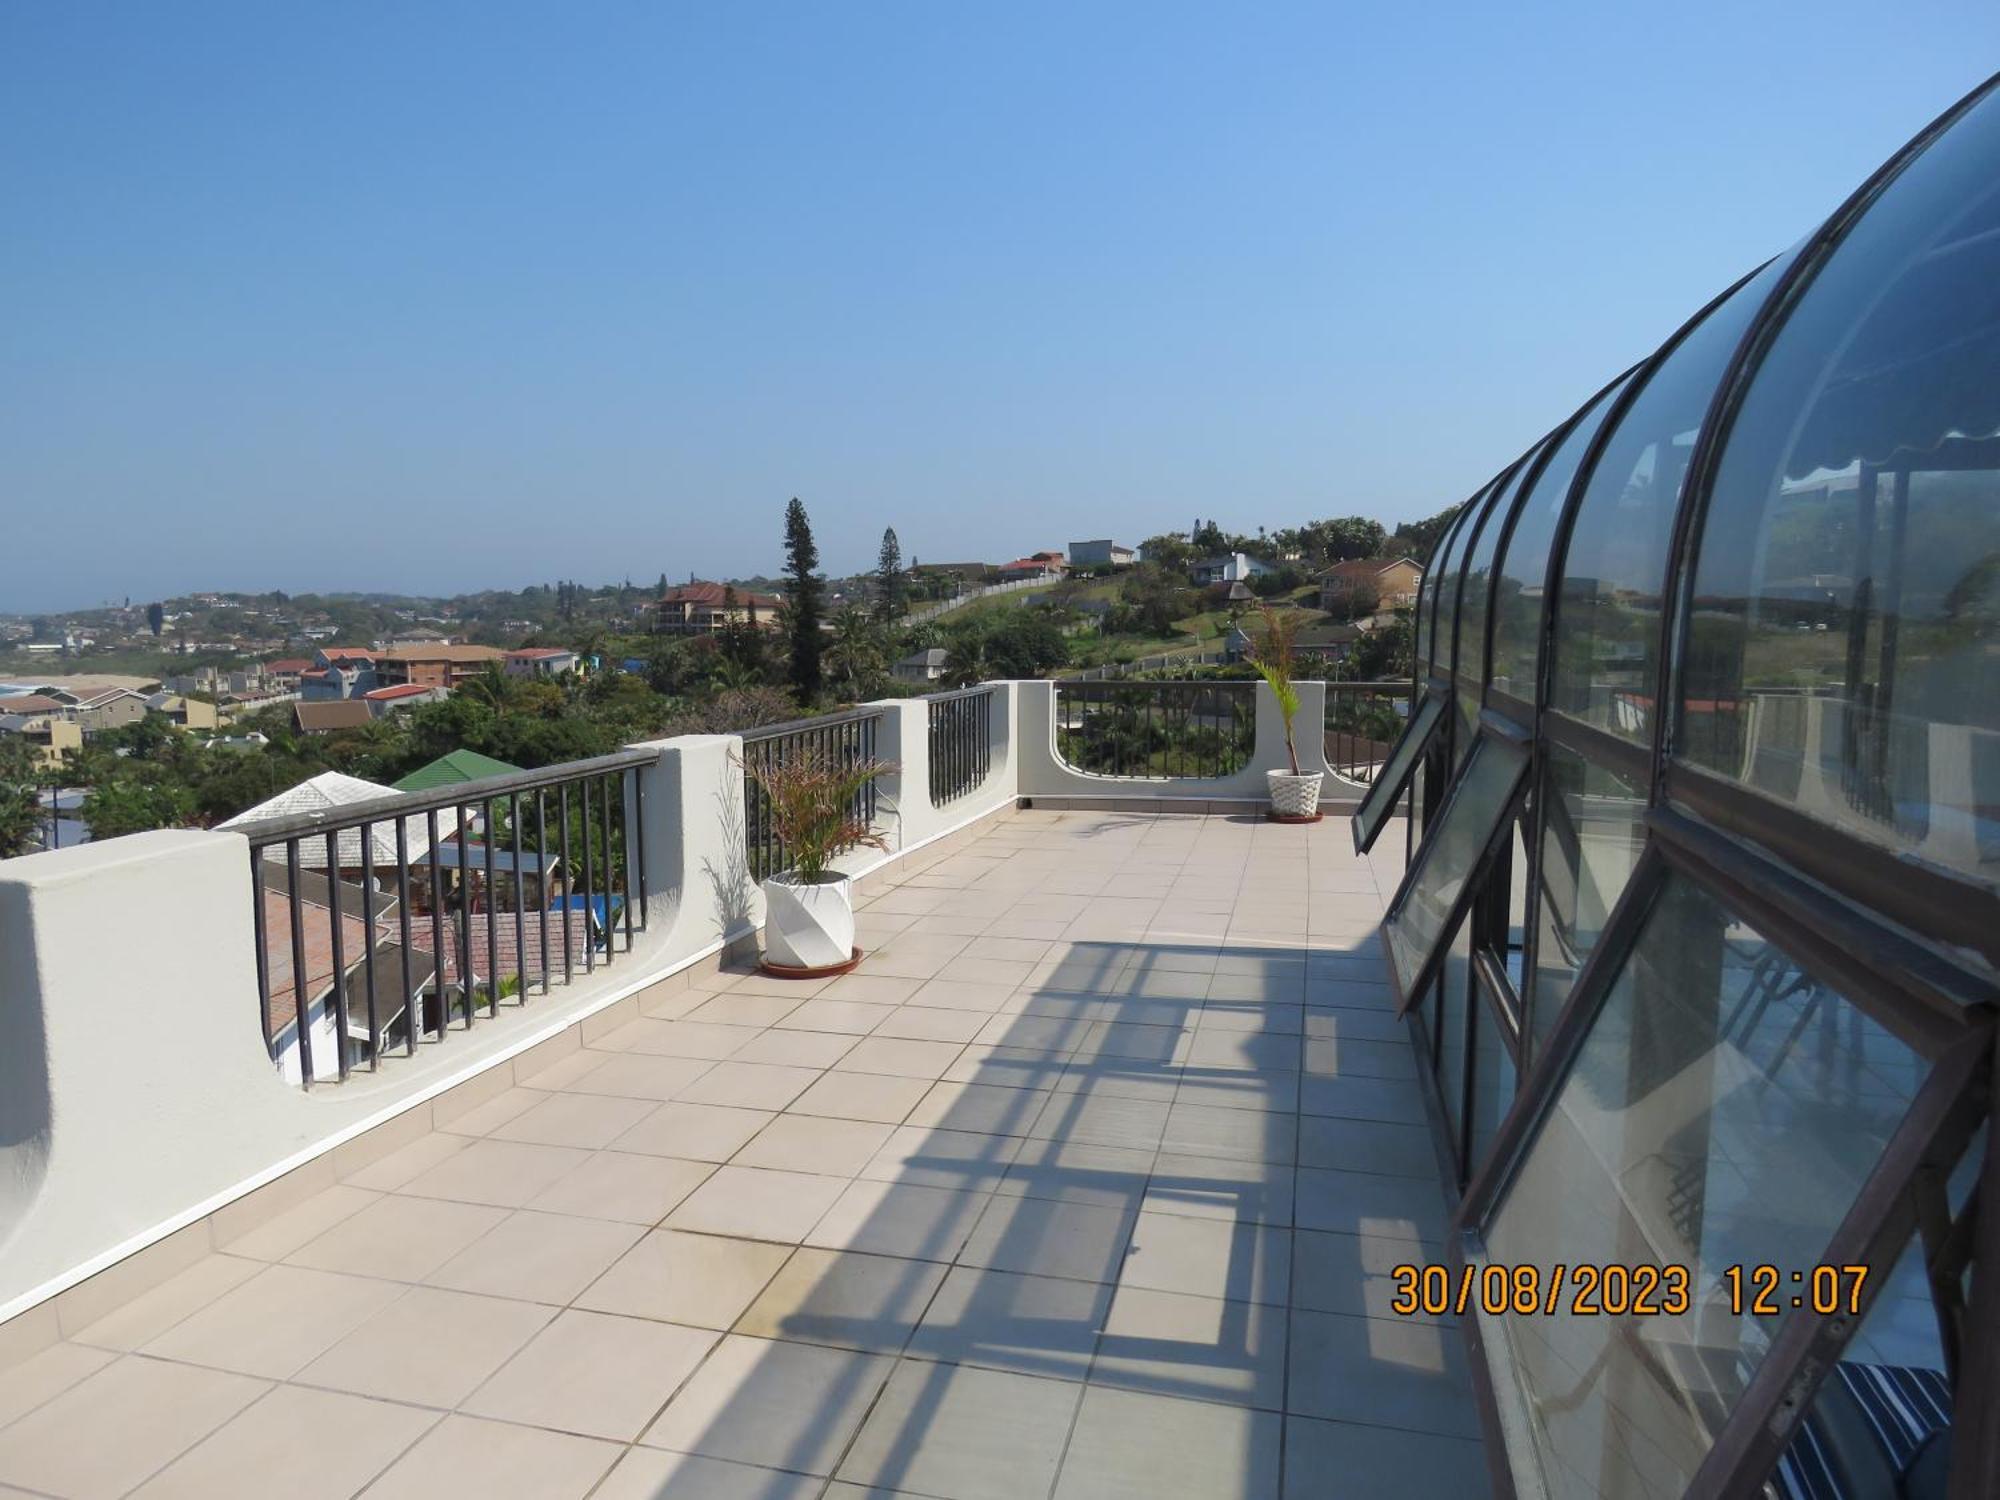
[[1588, 1289]]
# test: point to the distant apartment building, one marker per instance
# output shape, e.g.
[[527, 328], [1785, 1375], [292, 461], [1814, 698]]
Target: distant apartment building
[[541, 661], [1101, 553], [338, 672], [704, 608], [435, 666]]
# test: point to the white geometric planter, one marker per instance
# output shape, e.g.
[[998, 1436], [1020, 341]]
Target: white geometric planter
[[1294, 796], [808, 926]]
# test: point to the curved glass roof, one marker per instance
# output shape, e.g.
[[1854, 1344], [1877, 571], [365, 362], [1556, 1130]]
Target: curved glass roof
[[1832, 615]]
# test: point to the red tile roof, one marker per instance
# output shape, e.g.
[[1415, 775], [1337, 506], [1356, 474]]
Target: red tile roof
[[537, 653], [712, 594], [400, 690], [290, 665]]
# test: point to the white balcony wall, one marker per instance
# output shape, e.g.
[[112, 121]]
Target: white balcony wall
[[137, 1094]]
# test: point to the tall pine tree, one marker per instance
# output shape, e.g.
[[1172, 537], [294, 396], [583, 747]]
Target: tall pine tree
[[803, 604], [889, 577]]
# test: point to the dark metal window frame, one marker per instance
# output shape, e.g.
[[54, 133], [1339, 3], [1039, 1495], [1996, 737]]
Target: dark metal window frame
[[1501, 732], [1386, 791], [1940, 1009]]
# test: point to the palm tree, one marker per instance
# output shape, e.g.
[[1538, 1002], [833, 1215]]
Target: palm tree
[[856, 657]]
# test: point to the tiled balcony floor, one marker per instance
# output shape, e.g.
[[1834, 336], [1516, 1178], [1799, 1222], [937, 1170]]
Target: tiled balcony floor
[[1086, 1184]]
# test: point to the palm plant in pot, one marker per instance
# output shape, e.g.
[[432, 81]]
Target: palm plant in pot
[[1294, 793], [813, 801]]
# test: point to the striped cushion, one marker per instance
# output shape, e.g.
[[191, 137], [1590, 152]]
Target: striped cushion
[[1902, 1407]]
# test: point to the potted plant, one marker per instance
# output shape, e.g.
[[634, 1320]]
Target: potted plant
[[809, 909], [1294, 793]]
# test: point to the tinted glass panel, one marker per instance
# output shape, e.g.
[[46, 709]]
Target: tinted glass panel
[[1591, 839], [1608, 613], [1386, 791], [1450, 560], [1474, 806], [1523, 573], [1844, 650], [1723, 1110], [1471, 658]]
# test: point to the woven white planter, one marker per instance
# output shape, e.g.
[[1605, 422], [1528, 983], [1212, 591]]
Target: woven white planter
[[1294, 796], [808, 926]]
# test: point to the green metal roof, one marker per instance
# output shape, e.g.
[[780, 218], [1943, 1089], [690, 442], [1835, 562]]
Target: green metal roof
[[452, 768]]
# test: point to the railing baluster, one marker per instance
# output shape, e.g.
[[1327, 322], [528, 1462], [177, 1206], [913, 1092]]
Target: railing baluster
[[625, 783], [492, 917], [542, 883], [263, 941], [300, 1014], [368, 944], [412, 1002], [437, 923], [336, 926], [589, 891], [639, 837], [604, 796], [465, 975], [569, 886], [520, 905]]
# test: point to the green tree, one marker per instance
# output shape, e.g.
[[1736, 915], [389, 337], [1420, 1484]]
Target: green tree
[[1418, 539], [128, 804], [803, 606], [156, 619], [889, 589], [857, 654], [19, 811]]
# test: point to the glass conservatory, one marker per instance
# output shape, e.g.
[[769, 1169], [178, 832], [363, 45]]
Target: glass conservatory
[[1699, 927]]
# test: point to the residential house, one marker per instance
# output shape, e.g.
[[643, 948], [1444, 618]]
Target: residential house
[[540, 661], [339, 672], [435, 666], [185, 710], [1099, 554], [1321, 641], [1035, 565], [382, 700], [285, 673], [330, 791], [453, 768], [325, 716], [43, 725], [921, 666], [705, 608], [1232, 567], [1390, 582]]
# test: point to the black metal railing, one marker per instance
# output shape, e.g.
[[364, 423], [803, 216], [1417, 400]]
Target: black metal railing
[[1156, 730], [961, 742], [386, 924], [1363, 722], [836, 739]]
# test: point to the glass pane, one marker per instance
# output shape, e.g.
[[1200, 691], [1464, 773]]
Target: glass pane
[[1451, 556], [1492, 1083], [1845, 656], [1386, 791], [1523, 573], [1591, 842], [1724, 1110], [1878, 1414], [1474, 806], [1471, 658], [1608, 611]]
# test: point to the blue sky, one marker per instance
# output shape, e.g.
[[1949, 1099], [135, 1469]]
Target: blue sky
[[445, 296]]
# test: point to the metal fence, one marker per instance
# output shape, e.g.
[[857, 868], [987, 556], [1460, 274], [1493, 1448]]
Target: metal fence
[[1363, 721], [1156, 730], [961, 742], [388, 923], [842, 739]]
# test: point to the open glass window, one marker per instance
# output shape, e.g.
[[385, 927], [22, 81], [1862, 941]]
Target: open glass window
[[1722, 1113], [1461, 842], [1390, 782]]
